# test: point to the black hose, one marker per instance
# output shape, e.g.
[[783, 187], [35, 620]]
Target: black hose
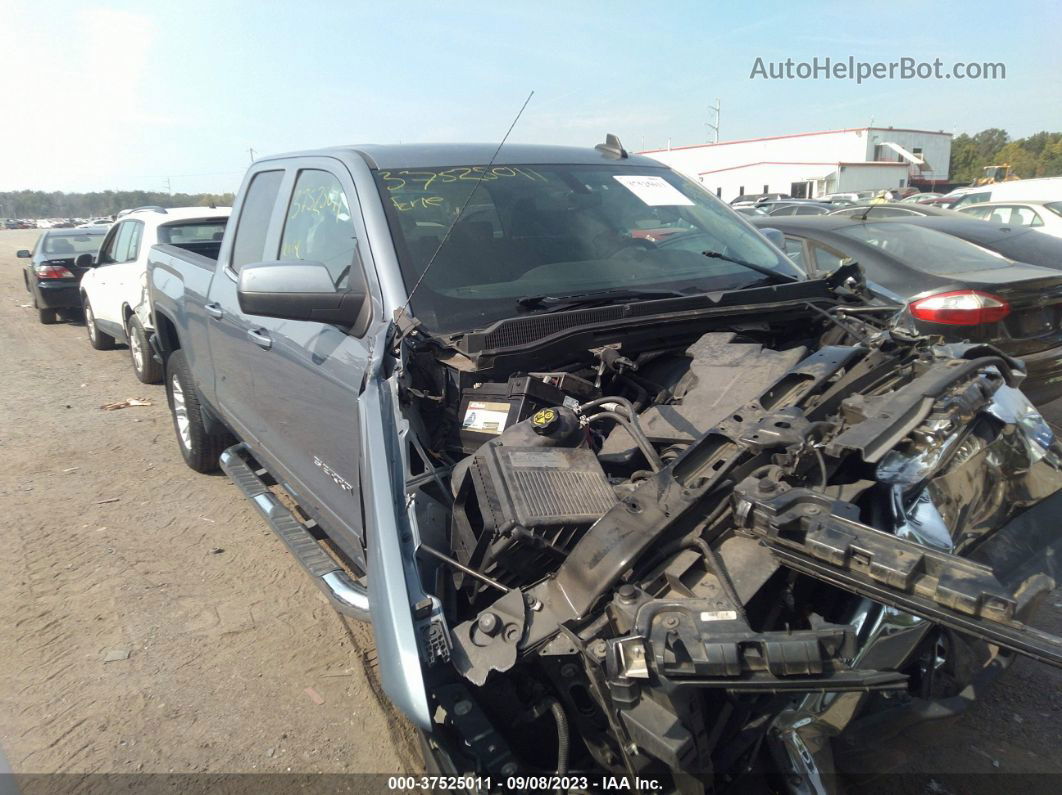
[[642, 397], [619, 401], [636, 433], [630, 422], [563, 741]]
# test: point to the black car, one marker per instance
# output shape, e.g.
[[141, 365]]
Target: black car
[[1019, 243], [796, 207], [52, 273], [951, 288], [892, 210]]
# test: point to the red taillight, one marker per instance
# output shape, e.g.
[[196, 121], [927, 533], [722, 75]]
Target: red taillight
[[53, 272], [961, 308]]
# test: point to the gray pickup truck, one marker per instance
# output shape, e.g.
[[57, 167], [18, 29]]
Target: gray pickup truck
[[622, 491]]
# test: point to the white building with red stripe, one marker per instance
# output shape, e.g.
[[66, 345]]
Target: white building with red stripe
[[814, 164]]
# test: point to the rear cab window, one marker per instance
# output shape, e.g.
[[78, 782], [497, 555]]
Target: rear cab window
[[204, 230], [253, 225]]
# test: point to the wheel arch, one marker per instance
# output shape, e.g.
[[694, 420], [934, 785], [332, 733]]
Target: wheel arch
[[169, 339]]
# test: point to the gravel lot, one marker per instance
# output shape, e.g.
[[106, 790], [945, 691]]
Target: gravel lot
[[112, 548]]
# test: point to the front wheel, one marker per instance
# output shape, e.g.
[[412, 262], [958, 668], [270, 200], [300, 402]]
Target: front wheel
[[146, 368], [97, 339], [201, 448]]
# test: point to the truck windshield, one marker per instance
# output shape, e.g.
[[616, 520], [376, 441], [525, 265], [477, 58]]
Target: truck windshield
[[561, 230]]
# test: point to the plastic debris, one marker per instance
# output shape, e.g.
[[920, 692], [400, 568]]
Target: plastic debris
[[315, 697], [124, 404], [114, 655]]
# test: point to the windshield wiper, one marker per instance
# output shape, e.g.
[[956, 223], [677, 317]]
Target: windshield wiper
[[560, 303], [781, 278]]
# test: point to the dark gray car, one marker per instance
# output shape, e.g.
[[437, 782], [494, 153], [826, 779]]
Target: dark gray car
[[951, 288]]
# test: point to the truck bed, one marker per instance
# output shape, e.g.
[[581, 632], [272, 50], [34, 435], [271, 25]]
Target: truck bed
[[204, 248]]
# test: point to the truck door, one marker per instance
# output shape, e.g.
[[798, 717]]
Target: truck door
[[235, 356], [308, 375]]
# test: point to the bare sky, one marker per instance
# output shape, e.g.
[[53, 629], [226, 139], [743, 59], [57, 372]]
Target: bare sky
[[173, 94]]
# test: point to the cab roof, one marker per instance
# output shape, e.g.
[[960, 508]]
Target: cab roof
[[445, 155]]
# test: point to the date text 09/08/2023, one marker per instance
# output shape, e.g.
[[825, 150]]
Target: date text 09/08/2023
[[520, 783]]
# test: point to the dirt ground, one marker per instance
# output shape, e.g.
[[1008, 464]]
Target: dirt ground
[[113, 548]]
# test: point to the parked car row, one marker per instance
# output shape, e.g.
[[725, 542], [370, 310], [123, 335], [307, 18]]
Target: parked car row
[[1042, 189], [54, 223], [100, 273], [618, 484]]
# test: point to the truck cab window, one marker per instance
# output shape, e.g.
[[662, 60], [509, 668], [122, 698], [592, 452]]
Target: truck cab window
[[249, 243], [319, 226]]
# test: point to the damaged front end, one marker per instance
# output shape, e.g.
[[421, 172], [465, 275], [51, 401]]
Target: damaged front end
[[704, 560]]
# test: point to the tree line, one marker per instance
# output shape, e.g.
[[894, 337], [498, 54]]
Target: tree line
[[1039, 155], [57, 204]]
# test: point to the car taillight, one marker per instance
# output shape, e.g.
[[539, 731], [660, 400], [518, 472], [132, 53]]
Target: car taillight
[[53, 272], [961, 308]]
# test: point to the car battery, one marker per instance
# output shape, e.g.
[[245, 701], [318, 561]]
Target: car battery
[[488, 409]]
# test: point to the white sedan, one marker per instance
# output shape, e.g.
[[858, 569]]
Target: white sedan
[[1044, 216]]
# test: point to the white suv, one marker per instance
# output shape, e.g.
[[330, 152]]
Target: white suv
[[114, 293]]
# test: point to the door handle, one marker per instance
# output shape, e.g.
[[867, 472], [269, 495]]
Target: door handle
[[214, 310], [261, 338]]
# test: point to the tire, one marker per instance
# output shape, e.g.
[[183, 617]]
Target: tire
[[200, 448], [146, 368], [97, 339], [47, 316]]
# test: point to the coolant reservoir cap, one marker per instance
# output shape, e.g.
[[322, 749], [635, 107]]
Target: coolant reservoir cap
[[545, 421]]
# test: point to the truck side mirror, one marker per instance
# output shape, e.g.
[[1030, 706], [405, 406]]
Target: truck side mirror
[[297, 290], [85, 260], [23, 253]]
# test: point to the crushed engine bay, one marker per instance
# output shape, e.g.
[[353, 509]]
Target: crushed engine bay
[[652, 554]]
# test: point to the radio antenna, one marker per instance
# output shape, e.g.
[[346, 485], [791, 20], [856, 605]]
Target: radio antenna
[[468, 199]]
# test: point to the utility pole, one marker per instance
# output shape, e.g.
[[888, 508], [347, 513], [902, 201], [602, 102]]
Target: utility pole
[[714, 127], [169, 187], [251, 150]]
